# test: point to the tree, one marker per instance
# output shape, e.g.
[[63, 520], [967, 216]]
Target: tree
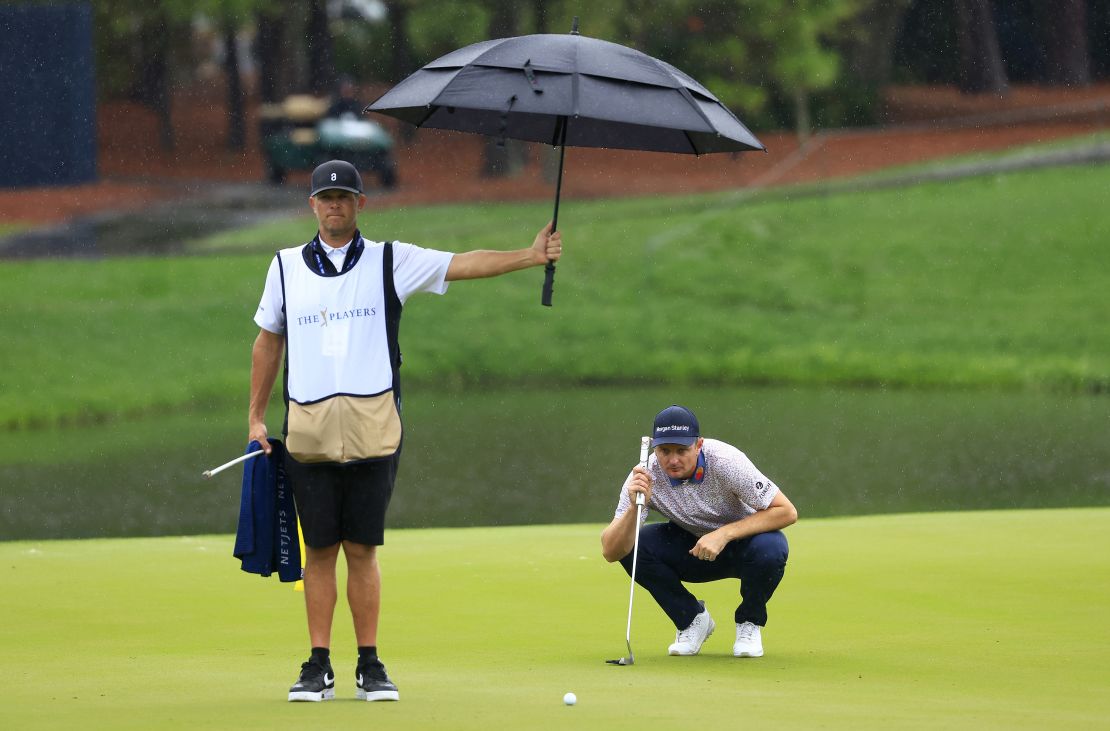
[[136, 44], [868, 42], [270, 21], [746, 51], [401, 62], [229, 17], [1064, 30], [321, 58], [981, 67], [153, 84], [236, 115], [151, 37], [803, 59]]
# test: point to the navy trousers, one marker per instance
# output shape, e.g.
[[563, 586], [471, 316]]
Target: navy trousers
[[664, 562]]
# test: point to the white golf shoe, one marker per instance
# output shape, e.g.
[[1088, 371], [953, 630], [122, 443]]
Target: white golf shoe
[[749, 641], [689, 640]]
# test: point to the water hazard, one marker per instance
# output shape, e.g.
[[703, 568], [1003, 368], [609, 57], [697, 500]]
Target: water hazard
[[522, 456]]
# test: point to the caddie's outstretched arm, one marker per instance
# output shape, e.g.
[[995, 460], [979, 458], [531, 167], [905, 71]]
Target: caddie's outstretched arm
[[482, 263]]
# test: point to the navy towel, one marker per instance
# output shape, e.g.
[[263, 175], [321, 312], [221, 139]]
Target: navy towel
[[266, 539]]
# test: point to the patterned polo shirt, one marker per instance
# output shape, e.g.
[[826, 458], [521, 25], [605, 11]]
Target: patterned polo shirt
[[731, 489]]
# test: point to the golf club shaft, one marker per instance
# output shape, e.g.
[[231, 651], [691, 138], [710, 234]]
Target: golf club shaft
[[632, 588], [216, 470], [645, 443]]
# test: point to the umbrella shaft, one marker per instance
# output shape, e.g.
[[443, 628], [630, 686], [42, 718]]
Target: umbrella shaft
[[559, 175], [549, 269]]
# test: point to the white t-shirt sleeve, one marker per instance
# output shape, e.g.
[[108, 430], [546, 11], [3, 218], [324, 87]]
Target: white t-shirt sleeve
[[271, 309], [416, 269]]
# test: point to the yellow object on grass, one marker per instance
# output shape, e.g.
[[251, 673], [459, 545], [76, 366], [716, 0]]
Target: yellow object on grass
[[299, 586]]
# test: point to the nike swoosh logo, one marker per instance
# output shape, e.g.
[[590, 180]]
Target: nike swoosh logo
[[328, 679], [360, 678]]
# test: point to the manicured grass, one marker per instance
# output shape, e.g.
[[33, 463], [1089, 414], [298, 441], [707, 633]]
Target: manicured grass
[[958, 621], [988, 282]]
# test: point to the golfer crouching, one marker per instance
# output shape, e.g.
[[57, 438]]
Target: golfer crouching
[[724, 521]]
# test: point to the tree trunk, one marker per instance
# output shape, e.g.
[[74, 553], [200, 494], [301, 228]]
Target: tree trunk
[[802, 123], [400, 46], [539, 10], [401, 62], [1064, 28], [548, 155], [321, 59], [981, 67], [502, 157], [236, 124], [869, 53], [152, 87], [271, 30]]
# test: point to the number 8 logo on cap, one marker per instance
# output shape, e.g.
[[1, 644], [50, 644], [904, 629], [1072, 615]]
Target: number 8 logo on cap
[[333, 177]]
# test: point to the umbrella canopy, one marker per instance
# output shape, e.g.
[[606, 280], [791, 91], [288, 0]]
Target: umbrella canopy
[[614, 96], [567, 90]]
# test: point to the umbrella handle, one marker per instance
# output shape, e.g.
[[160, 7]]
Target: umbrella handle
[[548, 283]]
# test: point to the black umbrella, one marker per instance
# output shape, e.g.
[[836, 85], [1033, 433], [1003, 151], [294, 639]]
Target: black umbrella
[[567, 90]]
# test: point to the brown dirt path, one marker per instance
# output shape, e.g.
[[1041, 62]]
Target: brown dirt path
[[436, 167]]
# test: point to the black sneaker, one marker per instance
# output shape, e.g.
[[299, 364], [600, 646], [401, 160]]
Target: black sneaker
[[317, 683], [372, 684]]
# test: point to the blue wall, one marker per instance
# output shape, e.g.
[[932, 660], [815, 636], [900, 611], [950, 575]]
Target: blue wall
[[47, 95]]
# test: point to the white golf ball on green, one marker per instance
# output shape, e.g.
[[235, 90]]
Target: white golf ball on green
[[570, 699]]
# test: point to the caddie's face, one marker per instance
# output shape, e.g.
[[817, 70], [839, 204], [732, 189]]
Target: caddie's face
[[337, 211], [678, 461]]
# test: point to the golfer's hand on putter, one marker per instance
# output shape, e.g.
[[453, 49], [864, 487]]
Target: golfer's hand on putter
[[640, 483], [547, 246]]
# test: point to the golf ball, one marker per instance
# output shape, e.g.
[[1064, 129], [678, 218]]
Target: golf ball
[[570, 699]]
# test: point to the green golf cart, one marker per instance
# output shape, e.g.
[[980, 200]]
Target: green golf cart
[[296, 135]]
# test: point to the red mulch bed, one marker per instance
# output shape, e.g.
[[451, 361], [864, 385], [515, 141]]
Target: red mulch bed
[[435, 167]]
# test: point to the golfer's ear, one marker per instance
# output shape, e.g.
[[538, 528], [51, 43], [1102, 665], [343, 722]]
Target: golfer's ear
[[361, 201]]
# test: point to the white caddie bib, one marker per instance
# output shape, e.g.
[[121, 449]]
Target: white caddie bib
[[340, 378]]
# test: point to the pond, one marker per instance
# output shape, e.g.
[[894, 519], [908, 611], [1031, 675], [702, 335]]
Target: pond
[[521, 456]]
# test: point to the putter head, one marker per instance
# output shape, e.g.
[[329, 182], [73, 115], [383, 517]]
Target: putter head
[[622, 661]]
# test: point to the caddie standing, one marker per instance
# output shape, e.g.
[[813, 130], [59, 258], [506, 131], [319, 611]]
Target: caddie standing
[[333, 307]]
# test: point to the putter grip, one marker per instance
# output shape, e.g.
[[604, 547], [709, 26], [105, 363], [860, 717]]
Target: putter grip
[[548, 283], [645, 446]]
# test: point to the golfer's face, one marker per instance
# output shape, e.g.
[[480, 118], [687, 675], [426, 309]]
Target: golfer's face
[[678, 461], [337, 210]]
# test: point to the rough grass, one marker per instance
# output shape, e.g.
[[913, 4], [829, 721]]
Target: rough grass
[[974, 620], [991, 282]]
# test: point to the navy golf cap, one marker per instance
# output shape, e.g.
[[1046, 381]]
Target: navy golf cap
[[338, 174], [675, 425]]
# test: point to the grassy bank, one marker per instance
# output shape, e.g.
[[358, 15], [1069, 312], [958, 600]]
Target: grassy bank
[[990, 282], [910, 621]]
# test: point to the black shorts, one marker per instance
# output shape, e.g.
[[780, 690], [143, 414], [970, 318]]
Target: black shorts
[[342, 502]]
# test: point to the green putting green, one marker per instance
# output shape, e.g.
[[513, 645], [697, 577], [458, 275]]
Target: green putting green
[[956, 621]]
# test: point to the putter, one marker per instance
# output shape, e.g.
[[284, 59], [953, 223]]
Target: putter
[[207, 474], [645, 446]]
